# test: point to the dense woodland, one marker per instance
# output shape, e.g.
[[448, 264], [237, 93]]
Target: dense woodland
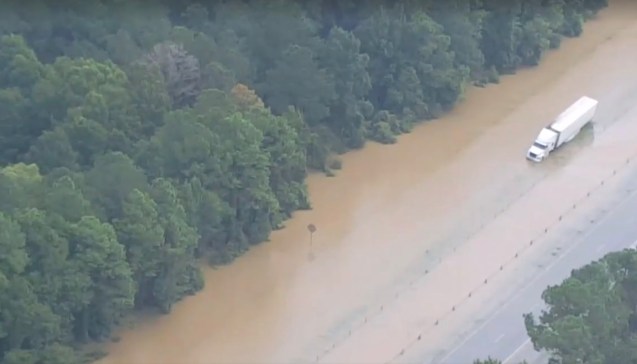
[[139, 138]]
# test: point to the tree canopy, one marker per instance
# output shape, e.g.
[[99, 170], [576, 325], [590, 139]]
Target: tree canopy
[[591, 317], [137, 139]]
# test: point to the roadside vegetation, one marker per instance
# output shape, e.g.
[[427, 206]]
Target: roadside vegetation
[[591, 317], [137, 139], [492, 361]]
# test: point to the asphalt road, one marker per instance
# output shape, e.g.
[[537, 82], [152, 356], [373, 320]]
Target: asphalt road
[[502, 335]]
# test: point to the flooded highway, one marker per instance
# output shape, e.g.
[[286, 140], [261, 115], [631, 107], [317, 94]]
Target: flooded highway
[[391, 210]]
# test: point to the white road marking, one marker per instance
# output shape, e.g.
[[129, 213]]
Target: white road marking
[[528, 340], [540, 274], [499, 338], [525, 343]]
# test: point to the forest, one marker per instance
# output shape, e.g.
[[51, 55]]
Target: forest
[[139, 139]]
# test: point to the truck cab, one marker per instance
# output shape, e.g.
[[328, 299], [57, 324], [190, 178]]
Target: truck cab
[[543, 145], [563, 129]]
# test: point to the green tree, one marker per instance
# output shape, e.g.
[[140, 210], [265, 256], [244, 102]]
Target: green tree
[[14, 257], [179, 274], [23, 318], [28, 322], [48, 265], [20, 186], [287, 162], [500, 35], [412, 68], [463, 23], [59, 354], [182, 148], [591, 315], [66, 198], [297, 80], [149, 95], [350, 108], [246, 184], [19, 65], [93, 101], [111, 180], [207, 212], [53, 149], [109, 292], [14, 106], [88, 139], [139, 230], [20, 70], [267, 29]]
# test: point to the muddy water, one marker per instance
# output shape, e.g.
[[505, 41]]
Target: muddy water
[[387, 207], [431, 298]]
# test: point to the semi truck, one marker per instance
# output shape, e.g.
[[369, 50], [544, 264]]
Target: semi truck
[[563, 129]]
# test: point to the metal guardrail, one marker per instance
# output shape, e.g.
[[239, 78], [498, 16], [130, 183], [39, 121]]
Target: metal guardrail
[[367, 318]]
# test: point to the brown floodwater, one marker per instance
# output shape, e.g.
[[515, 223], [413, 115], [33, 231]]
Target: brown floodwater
[[382, 214]]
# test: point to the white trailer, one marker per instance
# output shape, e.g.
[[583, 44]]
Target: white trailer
[[563, 129]]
